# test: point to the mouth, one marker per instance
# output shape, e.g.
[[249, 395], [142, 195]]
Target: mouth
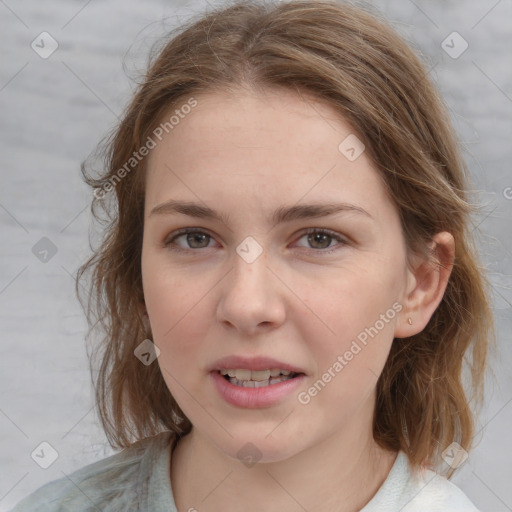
[[255, 382], [257, 378], [256, 389]]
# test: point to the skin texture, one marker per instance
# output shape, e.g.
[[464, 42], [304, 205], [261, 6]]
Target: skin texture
[[245, 154]]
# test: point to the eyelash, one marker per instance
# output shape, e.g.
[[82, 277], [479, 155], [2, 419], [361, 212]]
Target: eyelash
[[169, 243]]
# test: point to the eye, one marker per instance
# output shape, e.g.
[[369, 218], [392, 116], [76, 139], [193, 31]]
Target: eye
[[194, 238], [321, 239]]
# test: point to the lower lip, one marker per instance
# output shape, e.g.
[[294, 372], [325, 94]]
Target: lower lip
[[255, 398]]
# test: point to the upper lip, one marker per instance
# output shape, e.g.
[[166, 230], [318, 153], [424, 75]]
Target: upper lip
[[252, 363]]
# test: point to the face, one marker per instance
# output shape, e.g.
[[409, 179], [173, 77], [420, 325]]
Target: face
[[268, 283]]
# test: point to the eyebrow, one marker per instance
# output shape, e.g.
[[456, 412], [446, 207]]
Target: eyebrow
[[281, 215]]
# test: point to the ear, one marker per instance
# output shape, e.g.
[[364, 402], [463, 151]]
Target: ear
[[426, 284]]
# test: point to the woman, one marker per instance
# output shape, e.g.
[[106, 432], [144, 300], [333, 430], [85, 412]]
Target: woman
[[288, 285]]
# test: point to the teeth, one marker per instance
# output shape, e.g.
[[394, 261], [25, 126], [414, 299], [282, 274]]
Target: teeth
[[255, 375], [259, 375], [257, 378], [258, 384], [243, 374]]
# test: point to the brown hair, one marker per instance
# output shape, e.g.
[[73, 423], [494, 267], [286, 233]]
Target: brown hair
[[352, 61]]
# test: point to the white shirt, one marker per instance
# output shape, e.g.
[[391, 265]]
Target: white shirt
[[138, 479]]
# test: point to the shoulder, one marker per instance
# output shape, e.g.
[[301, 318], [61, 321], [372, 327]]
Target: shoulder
[[411, 490], [111, 484], [436, 493]]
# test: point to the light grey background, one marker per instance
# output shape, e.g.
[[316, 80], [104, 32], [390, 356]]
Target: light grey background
[[53, 113]]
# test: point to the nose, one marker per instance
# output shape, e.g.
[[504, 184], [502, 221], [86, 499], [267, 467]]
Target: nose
[[252, 298]]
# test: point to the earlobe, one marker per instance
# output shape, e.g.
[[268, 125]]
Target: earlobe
[[428, 281]]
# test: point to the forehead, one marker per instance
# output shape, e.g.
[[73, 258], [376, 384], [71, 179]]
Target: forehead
[[258, 147]]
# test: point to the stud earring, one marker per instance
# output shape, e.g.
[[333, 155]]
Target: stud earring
[[409, 321]]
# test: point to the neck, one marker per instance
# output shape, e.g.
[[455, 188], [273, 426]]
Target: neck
[[340, 474]]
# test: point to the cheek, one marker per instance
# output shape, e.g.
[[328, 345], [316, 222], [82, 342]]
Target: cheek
[[352, 315], [178, 324], [175, 306]]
